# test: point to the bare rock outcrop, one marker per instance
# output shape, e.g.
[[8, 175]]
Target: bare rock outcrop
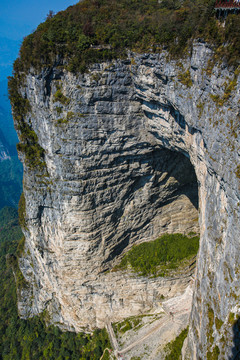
[[132, 149]]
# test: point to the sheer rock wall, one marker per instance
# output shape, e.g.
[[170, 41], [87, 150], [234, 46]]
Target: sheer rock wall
[[117, 153]]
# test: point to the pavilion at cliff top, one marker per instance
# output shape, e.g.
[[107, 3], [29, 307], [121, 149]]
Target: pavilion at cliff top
[[227, 4]]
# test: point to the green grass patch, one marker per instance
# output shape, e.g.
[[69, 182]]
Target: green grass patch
[[238, 171], [158, 256], [125, 326], [213, 355], [229, 87], [231, 318], [174, 348], [70, 115], [185, 78], [218, 323], [58, 109], [133, 322], [60, 97]]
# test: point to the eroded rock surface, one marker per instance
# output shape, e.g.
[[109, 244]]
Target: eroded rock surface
[[121, 156]]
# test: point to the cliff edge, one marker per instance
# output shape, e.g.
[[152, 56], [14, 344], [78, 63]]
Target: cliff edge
[[131, 149]]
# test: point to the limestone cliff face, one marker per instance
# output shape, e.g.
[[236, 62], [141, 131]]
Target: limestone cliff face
[[130, 147]]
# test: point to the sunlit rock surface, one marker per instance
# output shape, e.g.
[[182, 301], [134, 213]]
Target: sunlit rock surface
[[126, 157]]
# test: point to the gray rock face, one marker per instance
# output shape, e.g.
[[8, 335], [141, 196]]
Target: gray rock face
[[129, 154]]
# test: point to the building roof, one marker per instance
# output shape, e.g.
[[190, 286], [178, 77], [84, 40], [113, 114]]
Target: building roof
[[227, 4]]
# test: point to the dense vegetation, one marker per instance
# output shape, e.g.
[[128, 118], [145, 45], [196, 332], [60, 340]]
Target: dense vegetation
[[127, 24], [97, 30], [22, 211], [29, 145], [174, 348], [10, 231], [31, 339], [132, 322], [158, 256]]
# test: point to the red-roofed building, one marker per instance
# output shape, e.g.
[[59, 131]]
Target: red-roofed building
[[224, 7], [227, 4]]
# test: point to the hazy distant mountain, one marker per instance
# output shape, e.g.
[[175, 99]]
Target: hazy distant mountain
[[10, 174], [4, 100], [10, 182], [8, 53], [10, 166], [6, 121]]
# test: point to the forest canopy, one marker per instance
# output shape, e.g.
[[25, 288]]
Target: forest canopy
[[32, 339], [97, 30], [160, 256]]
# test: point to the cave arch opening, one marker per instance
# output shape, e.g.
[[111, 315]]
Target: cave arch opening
[[162, 198]]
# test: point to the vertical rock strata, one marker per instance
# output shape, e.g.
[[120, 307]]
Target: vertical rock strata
[[122, 146]]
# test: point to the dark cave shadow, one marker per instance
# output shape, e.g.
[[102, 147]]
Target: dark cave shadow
[[190, 194], [188, 184], [236, 341], [176, 165]]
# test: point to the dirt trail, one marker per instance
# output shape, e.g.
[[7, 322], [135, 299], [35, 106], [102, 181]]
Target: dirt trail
[[113, 340], [174, 308], [109, 350], [164, 321]]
